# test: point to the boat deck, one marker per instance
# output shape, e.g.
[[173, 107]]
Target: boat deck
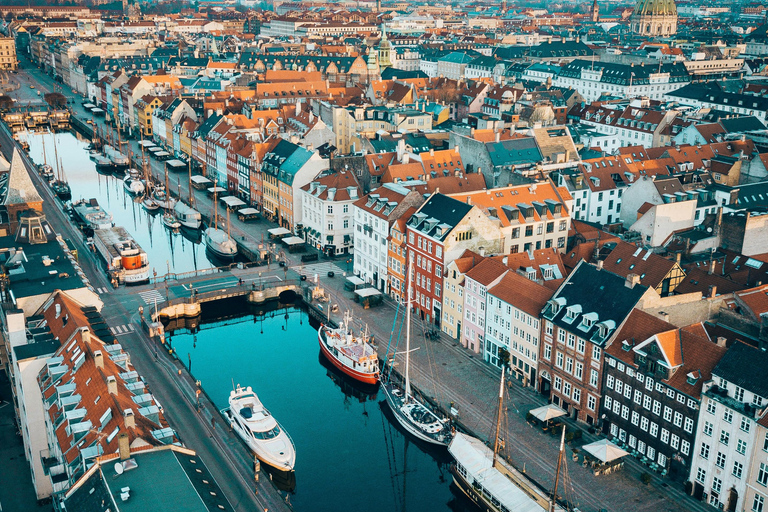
[[358, 351]]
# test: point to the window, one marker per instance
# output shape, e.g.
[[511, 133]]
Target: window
[[559, 360], [567, 388], [647, 402], [707, 428], [607, 401], [757, 504], [654, 431], [762, 474], [635, 418], [592, 402], [688, 425], [547, 352], [738, 468], [580, 345], [701, 475], [644, 424], [678, 419], [725, 437], [664, 435], [685, 447], [674, 441], [739, 394], [741, 446], [579, 373], [569, 365], [717, 485], [593, 377], [728, 416], [609, 385], [577, 395], [704, 452], [720, 462], [745, 424], [558, 384], [667, 413], [638, 397], [625, 412], [656, 407], [619, 386], [596, 353]]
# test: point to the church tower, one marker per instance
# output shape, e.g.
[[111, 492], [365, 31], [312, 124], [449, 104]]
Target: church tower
[[385, 50], [595, 12], [654, 18], [373, 65]]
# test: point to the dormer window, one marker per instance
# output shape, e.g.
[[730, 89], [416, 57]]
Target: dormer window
[[586, 322], [692, 378], [572, 312]]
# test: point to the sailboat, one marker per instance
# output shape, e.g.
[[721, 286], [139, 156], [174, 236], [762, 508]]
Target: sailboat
[[60, 186], [218, 241], [46, 171], [187, 215], [149, 202], [415, 416], [492, 483], [133, 183]]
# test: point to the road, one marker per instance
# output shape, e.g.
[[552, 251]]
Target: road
[[444, 370]]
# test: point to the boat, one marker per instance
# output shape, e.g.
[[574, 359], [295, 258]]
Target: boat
[[104, 165], [413, 413], [259, 429], [91, 215], [126, 260], [94, 153], [133, 184], [119, 161], [60, 185], [188, 216], [46, 171], [492, 483], [351, 354], [162, 199], [218, 241], [150, 205], [170, 221]]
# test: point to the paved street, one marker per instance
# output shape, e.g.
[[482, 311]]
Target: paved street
[[441, 368]]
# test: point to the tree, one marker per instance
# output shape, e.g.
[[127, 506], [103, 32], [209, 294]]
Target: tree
[[503, 356], [56, 99]]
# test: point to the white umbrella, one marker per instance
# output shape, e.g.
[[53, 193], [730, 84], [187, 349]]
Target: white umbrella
[[604, 450], [547, 412]]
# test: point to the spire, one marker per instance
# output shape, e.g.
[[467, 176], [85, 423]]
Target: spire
[[595, 11], [21, 190]]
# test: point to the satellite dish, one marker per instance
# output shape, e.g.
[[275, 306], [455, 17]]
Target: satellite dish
[[709, 230], [119, 468]]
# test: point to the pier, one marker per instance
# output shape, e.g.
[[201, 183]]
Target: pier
[[20, 120]]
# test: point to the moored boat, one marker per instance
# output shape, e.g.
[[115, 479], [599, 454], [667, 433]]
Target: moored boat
[[91, 215], [133, 184], [62, 190], [260, 430], [170, 221], [188, 216], [351, 354], [126, 260], [220, 244], [150, 205]]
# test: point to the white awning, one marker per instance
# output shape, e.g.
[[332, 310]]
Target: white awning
[[547, 412], [248, 211], [154, 149], [89, 106], [232, 201], [200, 180], [146, 143], [293, 240], [368, 292], [176, 163], [604, 450], [214, 190], [162, 154], [279, 232], [355, 280]]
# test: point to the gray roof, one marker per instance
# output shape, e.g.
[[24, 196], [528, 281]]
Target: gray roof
[[21, 190], [522, 151], [745, 366]]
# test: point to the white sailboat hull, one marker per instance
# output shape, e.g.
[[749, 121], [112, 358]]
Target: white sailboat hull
[[394, 396]]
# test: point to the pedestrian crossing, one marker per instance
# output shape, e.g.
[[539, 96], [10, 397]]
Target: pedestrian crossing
[[102, 290], [151, 296], [122, 329], [321, 268]]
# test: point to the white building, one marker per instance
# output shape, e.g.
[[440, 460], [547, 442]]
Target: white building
[[327, 211], [374, 215], [726, 444]]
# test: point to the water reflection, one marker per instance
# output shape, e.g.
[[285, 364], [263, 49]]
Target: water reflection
[[178, 252]]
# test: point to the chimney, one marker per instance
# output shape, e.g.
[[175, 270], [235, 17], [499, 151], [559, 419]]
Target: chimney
[[712, 291], [678, 256], [130, 421], [664, 316], [632, 280], [98, 359], [298, 108], [112, 385], [432, 152], [712, 265], [498, 136], [400, 150], [721, 341], [123, 446]]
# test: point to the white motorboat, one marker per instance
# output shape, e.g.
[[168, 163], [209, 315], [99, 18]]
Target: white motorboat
[[220, 243], [133, 185], [188, 216], [150, 205], [259, 429]]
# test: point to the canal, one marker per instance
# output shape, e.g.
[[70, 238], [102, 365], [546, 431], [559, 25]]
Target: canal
[[350, 455], [168, 251]]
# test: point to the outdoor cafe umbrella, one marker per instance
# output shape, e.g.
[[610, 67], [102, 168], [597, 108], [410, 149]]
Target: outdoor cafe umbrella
[[604, 450], [547, 412]]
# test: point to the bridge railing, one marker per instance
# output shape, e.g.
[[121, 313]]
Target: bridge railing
[[231, 291]]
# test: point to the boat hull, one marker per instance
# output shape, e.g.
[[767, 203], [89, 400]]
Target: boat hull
[[365, 378], [394, 404], [470, 492]]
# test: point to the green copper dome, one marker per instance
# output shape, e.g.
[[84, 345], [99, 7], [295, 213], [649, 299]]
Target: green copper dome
[[656, 7]]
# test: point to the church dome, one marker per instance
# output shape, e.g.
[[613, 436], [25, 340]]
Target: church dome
[[656, 8]]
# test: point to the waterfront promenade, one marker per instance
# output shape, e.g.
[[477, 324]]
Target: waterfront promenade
[[441, 368]]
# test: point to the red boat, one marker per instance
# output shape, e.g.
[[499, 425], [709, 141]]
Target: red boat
[[351, 354]]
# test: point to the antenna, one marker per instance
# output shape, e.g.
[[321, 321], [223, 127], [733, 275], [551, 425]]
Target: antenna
[[119, 469]]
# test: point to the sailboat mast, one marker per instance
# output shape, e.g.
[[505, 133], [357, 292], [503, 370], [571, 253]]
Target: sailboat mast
[[498, 419], [557, 474], [191, 195], [407, 388], [45, 160], [228, 225], [56, 158]]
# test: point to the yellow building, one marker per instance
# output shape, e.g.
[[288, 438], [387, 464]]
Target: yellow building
[[8, 53], [144, 109]]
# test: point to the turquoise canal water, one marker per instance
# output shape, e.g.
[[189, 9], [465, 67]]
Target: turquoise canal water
[[168, 251], [350, 455]]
